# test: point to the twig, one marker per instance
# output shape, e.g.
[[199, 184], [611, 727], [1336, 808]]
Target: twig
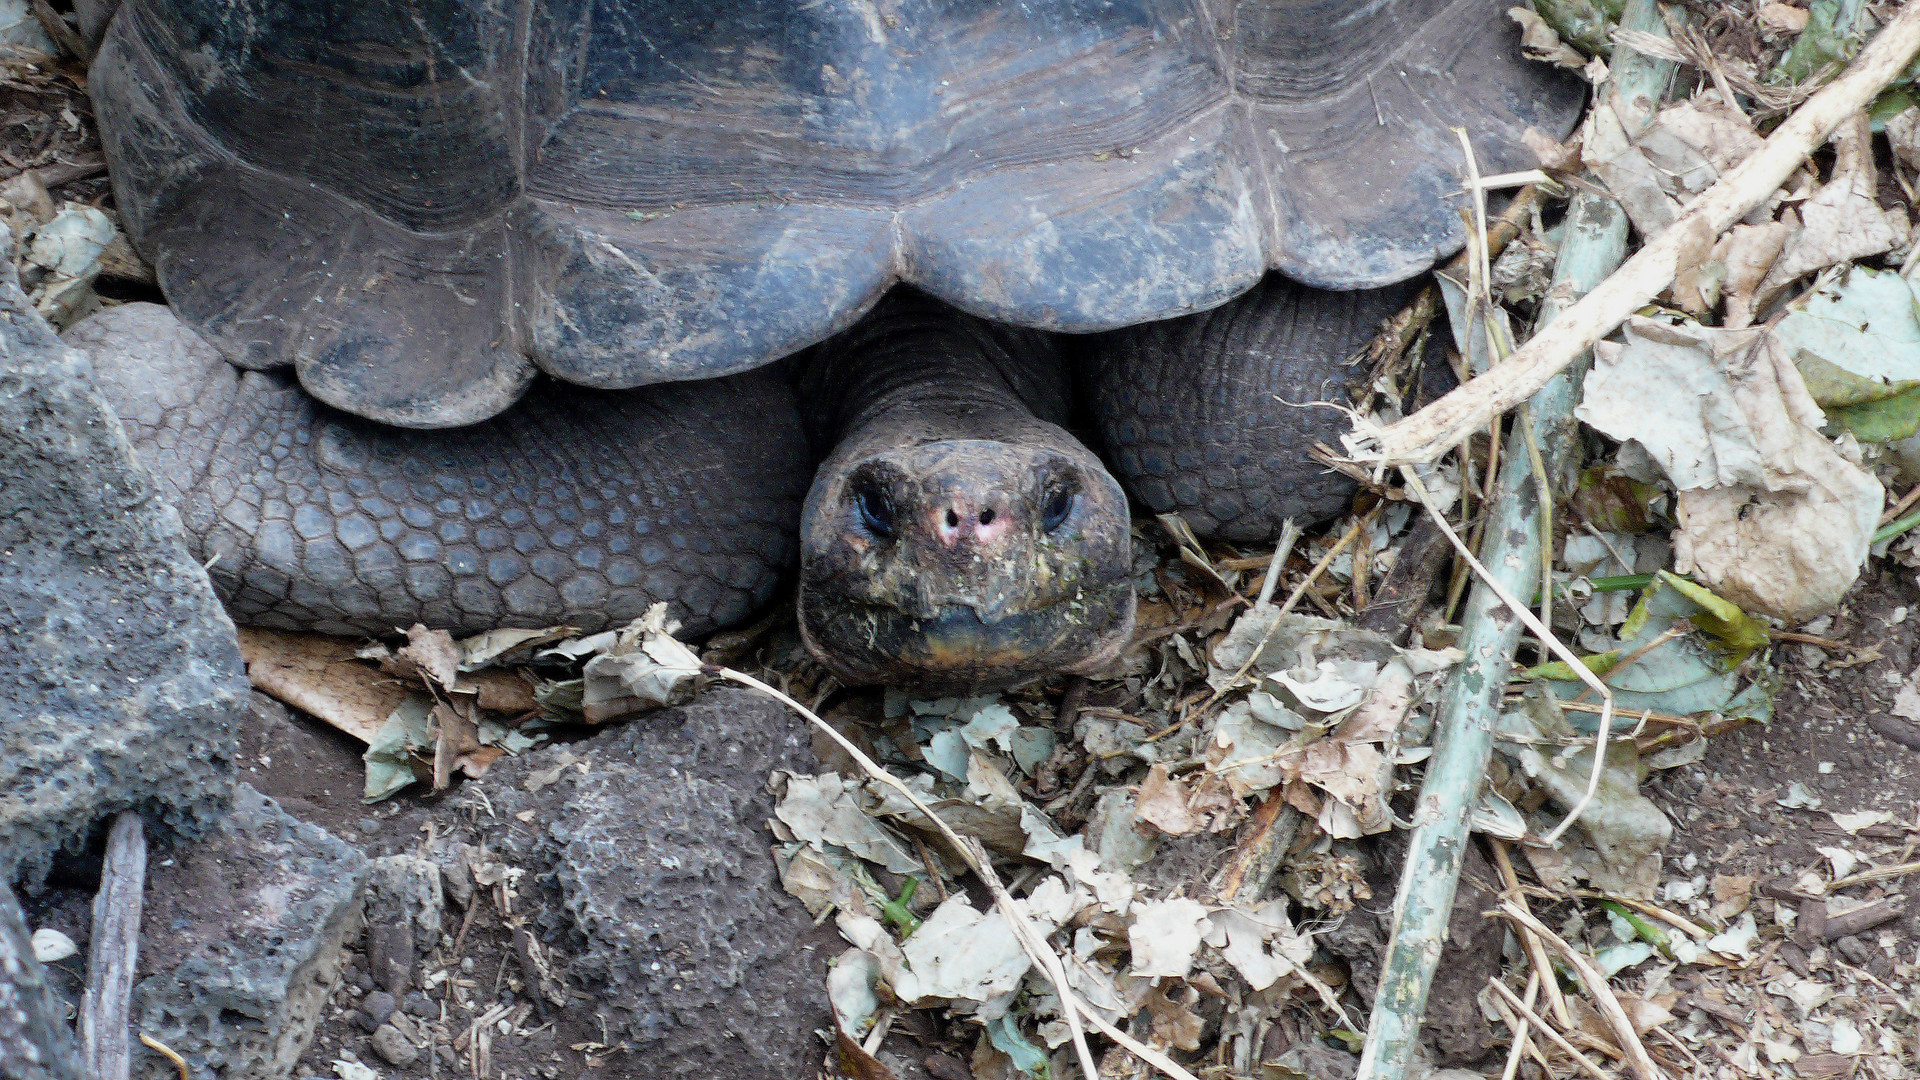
[[1536, 949], [1546, 1029], [167, 1052], [116, 951], [1463, 744], [1521, 1044], [1616, 1017], [1289, 536], [1448, 422]]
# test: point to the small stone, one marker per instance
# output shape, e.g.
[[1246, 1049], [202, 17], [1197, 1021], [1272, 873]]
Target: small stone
[[365, 1022], [419, 1004], [379, 1005], [372, 825], [393, 1046], [362, 981], [447, 1055]]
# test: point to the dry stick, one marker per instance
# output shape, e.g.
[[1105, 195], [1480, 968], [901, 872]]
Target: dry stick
[[975, 856], [1536, 949], [1446, 423], [1463, 741], [1616, 1017], [1520, 1028], [1559, 1040], [116, 951]]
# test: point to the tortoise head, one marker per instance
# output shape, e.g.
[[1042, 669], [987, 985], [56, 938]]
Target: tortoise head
[[964, 564]]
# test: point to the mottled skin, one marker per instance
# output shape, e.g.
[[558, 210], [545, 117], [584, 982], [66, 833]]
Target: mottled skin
[[1212, 416], [956, 536], [576, 506]]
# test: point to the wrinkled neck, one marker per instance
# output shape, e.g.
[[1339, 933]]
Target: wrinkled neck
[[917, 370]]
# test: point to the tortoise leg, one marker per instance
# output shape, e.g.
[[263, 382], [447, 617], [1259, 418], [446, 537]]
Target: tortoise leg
[[1212, 415], [574, 507]]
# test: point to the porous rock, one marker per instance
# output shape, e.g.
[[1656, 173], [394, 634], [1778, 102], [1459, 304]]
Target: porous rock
[[403, 916], [122, 681], [242, 944], [652, 867], [35, 1043]]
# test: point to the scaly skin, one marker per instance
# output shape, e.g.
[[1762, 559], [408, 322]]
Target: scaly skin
[[580, 507]]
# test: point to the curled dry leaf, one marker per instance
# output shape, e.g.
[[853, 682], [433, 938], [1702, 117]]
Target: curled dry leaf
[[1772, 518], [1843, 220]]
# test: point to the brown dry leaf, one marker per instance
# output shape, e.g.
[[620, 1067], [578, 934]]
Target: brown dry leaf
[[1842, 221], [1349, 772], [1731, 895], [431, 655], [1188, 805], [1643, 1014], [1903, 134], [500, 691], [319, 675], [1784, 17], [457, 745], [1539, 42], [1174, 1025], [1748, 252]]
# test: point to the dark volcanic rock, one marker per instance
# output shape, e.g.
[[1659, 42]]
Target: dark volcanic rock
[[658, 877], [35, 1042], [243, 937], [119, 678]]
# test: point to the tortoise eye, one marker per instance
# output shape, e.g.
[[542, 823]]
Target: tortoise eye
[[1059, 506], [876, 512]]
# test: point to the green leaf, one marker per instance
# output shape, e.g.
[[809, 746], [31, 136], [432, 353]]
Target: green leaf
[[1822, 44], [1031, 1060], [389, 757], [1583, 24], [1560, 670], [1735, 633]]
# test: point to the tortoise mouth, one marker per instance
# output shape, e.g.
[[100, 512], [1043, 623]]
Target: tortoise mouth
[[956, 651]]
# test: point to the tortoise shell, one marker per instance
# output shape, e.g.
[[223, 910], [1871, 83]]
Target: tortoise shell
[[420, 204]]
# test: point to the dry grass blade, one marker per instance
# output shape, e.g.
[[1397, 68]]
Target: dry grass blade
[[1447, 422], [1637, 1058], [1586, 1063], [1536, 949]]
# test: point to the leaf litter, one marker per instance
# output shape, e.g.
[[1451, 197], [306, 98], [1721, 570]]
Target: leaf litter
[[1182, 837]]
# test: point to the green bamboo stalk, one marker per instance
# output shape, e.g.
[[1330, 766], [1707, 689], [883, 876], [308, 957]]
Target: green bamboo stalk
[[1593, 246]]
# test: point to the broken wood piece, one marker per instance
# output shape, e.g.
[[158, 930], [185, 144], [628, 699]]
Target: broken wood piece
[[1863, 918], [116, 951], [1448, 422]]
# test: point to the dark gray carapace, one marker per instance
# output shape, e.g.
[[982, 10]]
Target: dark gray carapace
[[417, 204]]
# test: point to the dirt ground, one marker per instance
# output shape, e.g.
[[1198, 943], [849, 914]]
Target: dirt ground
[[1736, 846]]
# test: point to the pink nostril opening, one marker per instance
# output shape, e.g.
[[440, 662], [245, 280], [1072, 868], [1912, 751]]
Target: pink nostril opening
[[953, 519], [986, 517]]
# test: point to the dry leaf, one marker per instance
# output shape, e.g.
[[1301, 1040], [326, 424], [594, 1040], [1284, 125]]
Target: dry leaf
[[1748, 252], [1842, 221], [1784, 17], [320, 675], [1772, 518]]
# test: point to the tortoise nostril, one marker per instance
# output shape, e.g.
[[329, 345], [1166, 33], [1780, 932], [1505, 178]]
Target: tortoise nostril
[[953, 519], [986, 516]]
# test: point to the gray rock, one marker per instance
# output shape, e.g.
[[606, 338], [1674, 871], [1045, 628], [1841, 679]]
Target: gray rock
[[393, 1046], [243, 942], [403, 914], [653, 868], [35, 1042], [122, 682], [379, 1005], [420, 1005]]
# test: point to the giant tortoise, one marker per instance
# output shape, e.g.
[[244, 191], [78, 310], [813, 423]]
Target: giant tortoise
[[476, 305]]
